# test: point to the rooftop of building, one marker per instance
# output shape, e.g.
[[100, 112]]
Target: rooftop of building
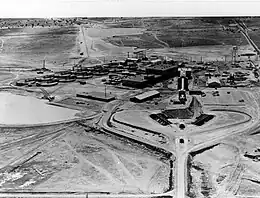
[[137, 78], [184, 69], [213, 80], [147, 94], [97, 94], [142, 78], [163, 67]]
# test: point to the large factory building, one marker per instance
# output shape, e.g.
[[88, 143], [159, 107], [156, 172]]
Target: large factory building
[[154, 74], [141, 81], [166, 70]]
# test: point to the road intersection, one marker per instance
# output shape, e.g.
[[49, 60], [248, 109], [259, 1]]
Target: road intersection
[[183, 144]]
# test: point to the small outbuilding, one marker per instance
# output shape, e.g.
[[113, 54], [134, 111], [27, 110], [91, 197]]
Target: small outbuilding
[[100, 96], [145, 96], [213, 82]]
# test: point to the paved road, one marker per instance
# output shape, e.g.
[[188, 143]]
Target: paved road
[[181, 156]]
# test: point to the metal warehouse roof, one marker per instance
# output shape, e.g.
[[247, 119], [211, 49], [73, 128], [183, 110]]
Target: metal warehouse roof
[[147, 94]]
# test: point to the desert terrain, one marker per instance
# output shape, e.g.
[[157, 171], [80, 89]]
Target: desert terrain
[[74, 120]]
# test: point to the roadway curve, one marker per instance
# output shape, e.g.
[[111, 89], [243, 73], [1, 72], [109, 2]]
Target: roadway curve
[[181, 151], [164, 43], [249, 117]]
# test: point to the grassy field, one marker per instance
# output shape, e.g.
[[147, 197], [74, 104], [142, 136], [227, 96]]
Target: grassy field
[[59, 45], [182, 32], [185, 38], [141, 41]]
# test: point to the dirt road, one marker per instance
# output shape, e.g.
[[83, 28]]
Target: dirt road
[[83, 42], [183, 150]]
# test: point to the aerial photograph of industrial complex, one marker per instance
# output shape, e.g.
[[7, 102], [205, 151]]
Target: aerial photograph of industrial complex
[[130, 107]]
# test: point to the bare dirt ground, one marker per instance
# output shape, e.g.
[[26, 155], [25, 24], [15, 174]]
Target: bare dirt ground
[[212, 171], [183, 38], [225, 168], [141, 119], [228, 97], [28, 47], [99, 48], [70, 159], [250, 179], [76, 160]]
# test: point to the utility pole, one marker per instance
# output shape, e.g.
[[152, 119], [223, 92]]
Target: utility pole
[[105, 91], [225, 58], [234, 54]]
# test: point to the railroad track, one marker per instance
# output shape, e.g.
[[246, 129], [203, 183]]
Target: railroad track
[[30, 139], [18, 161]]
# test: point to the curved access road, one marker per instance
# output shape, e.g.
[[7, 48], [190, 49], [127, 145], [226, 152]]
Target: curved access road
[[182, 151]]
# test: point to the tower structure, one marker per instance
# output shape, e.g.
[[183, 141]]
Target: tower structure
[[234, 54]]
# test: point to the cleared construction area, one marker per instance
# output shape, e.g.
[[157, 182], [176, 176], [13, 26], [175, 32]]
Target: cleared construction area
[[71, 159], [121, 107]]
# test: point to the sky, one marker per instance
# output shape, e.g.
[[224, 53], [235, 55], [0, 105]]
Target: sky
[[88, 8]]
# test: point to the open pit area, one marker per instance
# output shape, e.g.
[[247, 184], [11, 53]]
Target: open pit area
[[130, 107]]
